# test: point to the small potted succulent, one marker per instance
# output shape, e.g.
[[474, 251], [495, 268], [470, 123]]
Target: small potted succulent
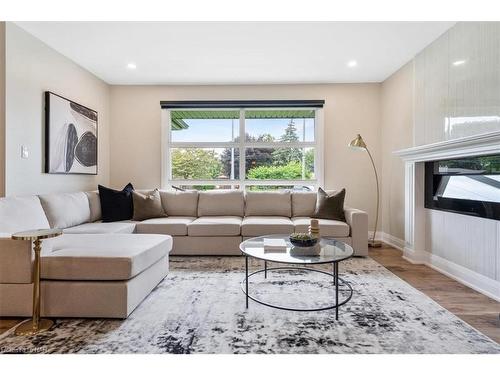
[[303, 239]]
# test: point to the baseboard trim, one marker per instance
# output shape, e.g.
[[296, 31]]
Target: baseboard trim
[[473, 280], [398, 243], [465, 276], [389, 239]]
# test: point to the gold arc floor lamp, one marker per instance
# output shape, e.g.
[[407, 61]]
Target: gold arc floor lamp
[[359, 144]]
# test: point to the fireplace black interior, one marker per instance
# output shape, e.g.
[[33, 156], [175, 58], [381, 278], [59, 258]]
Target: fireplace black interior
[[469, 186]]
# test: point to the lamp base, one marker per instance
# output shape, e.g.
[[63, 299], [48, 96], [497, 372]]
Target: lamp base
[[26, 328], [372, 243]]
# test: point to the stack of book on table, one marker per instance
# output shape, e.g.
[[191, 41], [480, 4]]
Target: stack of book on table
[[274, 245]]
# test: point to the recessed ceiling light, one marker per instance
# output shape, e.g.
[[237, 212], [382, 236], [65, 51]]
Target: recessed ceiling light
[[459, 62], [352, 63], [131, 66]]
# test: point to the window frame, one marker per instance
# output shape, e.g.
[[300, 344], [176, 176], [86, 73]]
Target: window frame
[[167, 144]]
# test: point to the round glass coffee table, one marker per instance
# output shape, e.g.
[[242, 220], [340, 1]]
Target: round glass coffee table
[[326, 251]]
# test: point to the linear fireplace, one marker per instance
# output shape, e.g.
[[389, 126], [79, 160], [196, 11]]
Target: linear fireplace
[[469, 186]]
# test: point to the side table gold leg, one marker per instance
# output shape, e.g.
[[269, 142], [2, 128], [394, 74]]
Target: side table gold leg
[[35, 325]]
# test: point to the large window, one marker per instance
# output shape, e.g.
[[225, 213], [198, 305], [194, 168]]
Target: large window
[[246, 147]]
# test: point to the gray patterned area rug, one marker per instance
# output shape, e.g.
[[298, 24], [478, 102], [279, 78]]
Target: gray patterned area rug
[[200, 308]]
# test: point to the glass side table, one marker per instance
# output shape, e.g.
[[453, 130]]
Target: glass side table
[[35, 325]]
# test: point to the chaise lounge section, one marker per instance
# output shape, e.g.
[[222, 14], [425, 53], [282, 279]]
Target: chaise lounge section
[[82, 275]]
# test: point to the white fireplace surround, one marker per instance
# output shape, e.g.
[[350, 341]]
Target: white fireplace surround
[[414, 249]]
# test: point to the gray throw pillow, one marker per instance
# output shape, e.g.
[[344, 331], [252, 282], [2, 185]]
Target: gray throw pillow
[[330, 206], [147, 205]]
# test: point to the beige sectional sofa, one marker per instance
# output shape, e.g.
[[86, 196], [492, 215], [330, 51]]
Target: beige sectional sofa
[[98, 269], [215, 222]]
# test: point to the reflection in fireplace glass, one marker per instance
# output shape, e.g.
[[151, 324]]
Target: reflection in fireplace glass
[[478, 188]]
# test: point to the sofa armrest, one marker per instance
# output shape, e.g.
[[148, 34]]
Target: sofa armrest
[[16, 259], [358, 222]]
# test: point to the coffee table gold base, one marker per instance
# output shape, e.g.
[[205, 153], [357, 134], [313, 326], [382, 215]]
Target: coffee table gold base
[[26, 328]]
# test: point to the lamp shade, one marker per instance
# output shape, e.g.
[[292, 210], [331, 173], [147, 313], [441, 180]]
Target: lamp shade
[[358, 143]]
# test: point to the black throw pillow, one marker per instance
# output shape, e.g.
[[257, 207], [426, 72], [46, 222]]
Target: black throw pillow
[[116, 205], [330, 206]]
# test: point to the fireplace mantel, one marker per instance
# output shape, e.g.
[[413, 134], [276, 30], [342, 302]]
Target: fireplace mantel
[[482, 144], [416, 216]]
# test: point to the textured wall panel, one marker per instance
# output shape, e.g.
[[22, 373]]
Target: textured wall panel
[[457, 84]]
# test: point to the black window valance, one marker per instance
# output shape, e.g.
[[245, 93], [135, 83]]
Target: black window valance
[[167, 104]]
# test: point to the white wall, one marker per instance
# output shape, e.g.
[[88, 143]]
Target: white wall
[[31, 69], [396, 134], [349, 109]]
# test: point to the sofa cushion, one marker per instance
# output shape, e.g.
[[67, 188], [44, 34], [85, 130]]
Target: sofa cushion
[[333, 228], [221, 203], [65, 210], [101, 228], [172, 225], [303, 203], [267, 203], [21, 213], [261, 225], [147, 205], [102, 256], [180, 203], [116, 205], [95, 205], [215, 226]]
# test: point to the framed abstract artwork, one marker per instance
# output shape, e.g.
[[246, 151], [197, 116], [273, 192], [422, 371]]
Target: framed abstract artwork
[[70, 137]]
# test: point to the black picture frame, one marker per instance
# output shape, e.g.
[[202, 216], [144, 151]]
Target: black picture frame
[[71, 137]]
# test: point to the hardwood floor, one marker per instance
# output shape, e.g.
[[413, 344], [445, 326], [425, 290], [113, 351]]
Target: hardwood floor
[[6, 324], [479, 311]]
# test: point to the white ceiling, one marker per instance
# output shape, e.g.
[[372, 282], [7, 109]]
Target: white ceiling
[[239, 52]]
